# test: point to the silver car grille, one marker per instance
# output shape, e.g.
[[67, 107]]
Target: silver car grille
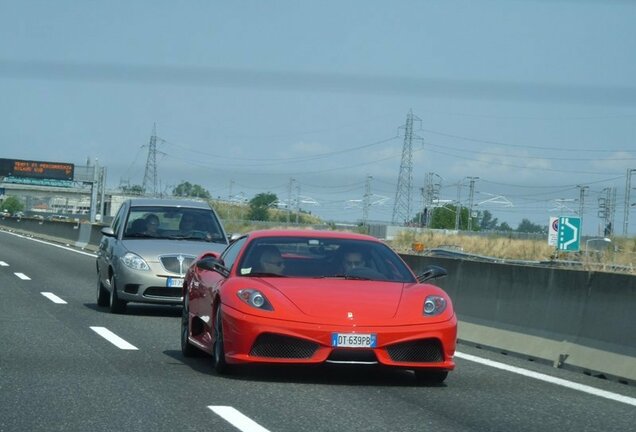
[[177, 264]]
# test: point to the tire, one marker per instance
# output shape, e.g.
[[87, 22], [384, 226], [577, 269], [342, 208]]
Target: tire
[[220, 365], [102, 293], [187, 349], [115, 304], [430, 377]]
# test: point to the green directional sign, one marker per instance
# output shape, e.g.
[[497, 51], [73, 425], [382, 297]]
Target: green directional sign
[[569, 236]]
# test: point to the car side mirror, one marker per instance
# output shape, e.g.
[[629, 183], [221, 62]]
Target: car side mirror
[[431, 272], [211, 263], [108, 232]]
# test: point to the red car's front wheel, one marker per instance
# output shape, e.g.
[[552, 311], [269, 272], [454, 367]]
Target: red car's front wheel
[[186, 347], [220, 364]]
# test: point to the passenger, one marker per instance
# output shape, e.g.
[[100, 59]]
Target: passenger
[[152, 222], [270, 260]]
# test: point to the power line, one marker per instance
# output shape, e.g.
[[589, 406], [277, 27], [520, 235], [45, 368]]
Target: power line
[[500, 143]]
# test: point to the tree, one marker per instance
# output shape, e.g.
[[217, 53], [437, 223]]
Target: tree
[[504, 227], [187, 189], [487, 222], [132, 189], [12, 205], [444, 217], [259, 206], [528, 227]]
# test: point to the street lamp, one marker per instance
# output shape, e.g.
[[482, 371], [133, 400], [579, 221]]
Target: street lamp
[[596, 239]]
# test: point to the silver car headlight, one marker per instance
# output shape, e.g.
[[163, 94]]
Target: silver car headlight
[[134, 262], [434, 305]]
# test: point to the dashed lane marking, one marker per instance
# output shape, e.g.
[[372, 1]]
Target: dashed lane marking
[[3, 264], [237, 419], [22, 276], [113, 338], [53, 298]]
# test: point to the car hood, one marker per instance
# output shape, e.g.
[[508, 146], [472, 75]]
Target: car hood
[[338, 299], [151, 248]]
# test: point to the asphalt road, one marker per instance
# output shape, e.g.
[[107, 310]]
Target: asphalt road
[[58, 374]]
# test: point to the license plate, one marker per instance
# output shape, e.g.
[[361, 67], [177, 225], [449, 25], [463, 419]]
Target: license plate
[[174, 282], [354, 340]]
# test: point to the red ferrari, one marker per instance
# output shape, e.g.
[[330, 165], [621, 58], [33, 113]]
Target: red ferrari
[[310, 297]]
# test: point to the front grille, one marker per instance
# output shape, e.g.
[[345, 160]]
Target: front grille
[[162, 292], [177, 263], [279, 346], [423, 350], [343, 355]]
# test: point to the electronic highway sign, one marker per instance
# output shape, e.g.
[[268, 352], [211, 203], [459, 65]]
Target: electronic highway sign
[[36, 169]]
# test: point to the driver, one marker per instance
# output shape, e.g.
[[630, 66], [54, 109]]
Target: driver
[[352, 260]]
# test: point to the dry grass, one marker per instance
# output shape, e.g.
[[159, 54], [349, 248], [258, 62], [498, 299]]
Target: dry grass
[[493, 246], [621, 252]]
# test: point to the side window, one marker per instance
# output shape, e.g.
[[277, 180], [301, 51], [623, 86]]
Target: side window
[[230, 254], [118, 219]]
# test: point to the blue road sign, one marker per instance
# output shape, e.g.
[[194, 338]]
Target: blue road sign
[[569, 238]]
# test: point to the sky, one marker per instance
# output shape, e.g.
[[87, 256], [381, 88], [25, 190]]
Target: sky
[[534, 98]]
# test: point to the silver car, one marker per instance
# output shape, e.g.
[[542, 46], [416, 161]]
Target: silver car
[[144, 254]]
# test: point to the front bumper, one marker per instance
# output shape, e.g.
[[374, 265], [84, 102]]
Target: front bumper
[[417, 346], [149, 286]]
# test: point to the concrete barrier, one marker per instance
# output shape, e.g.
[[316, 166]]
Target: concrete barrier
[[573, 319], [78, 234]]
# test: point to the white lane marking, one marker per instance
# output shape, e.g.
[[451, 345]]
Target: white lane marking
[[22, 276], [237, 419], [113, 338], [52, 244], [3, 264], [547, 378], [53, 298]]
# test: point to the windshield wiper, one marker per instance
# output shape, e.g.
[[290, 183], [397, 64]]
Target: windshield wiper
[[140, 235], [182, 237], [264, 274], [346, 276]]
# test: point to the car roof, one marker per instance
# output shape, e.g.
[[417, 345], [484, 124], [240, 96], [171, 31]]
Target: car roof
[[159, 202], [310, 233]]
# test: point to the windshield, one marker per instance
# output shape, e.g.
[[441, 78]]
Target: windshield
[[309, 257], [173, 223]]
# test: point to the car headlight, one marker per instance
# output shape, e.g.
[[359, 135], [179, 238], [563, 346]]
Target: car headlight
[[255, 298], [434, 305], [134, 262]]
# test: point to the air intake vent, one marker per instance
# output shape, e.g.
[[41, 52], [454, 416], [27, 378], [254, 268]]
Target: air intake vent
[[279, 346], [162, 292], [343, 355], [423, 350]]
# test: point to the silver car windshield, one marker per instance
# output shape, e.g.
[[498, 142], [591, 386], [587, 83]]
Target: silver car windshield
[[173, 223]]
